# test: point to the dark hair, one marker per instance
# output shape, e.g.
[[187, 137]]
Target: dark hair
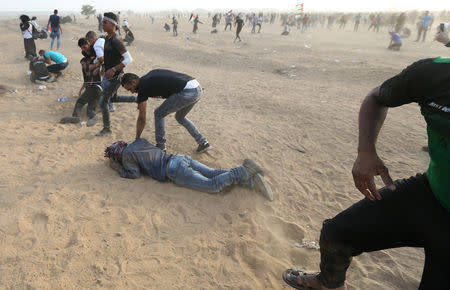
[[55, 11], [111, 15], [41, 51], [127, 78], [33, 18], [82, 41], [24, 18], [91, 34]]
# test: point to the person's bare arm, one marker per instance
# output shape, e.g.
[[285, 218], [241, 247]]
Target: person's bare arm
[[367, 165], [140, 123]]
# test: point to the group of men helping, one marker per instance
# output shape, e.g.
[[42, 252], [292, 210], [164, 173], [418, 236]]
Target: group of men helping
[[411, 212]]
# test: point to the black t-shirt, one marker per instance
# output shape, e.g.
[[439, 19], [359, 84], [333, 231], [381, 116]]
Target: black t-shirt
[[161, 83], [39, 69], [91, 77], [112, 57], [423, 82]]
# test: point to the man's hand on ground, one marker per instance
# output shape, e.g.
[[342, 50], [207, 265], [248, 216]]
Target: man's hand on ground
[[365, 168]]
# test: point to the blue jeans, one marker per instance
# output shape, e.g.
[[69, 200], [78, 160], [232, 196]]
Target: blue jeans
[[109, 94], [57, 67], [181, 103], [55, 33], [185, 171]]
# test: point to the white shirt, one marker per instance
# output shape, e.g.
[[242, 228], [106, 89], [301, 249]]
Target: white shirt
[[27, 34], [99, 47]]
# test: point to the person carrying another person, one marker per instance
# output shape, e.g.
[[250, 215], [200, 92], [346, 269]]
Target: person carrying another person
[[116, 57], [413, 212], [27, 33], [180, 91], [141, 157], [55, 25], [396, 40], [58, 58], [91, 86]]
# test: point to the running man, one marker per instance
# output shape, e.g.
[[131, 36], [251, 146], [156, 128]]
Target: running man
[[116, 57], [142, 157], [180, 91], [412, 212], [239, 23]]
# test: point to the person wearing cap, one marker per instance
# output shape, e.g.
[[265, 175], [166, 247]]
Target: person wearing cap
[[180, 91], [141, 157], [116, 57]]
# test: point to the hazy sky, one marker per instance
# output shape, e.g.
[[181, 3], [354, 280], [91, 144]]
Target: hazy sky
[[153, 5]]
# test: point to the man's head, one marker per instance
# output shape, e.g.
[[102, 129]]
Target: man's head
[[109, 22], [114, 151], [33, 18], [91, 37], [130, 82], [41, 52], [55, 11], [84, 45]]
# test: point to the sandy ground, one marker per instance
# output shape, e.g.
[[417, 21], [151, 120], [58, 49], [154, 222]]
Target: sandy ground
[[68, 221]]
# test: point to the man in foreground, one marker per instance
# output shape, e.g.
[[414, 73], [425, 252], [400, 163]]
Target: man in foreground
[[180, 91], [412, 212], [116, 57], [142, 157]]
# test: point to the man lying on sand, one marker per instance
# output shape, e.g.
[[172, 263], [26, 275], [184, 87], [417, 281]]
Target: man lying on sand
[[142, 157], [412, 212]]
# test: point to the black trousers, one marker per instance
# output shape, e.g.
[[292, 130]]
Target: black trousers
[[410, 216], [30, 47], [91, 97]]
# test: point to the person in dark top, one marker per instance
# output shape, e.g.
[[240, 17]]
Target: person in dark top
[[39, 72], [141, 157], [180, 91], [91, 86], [55, 24], [412, 212], [196, 22], [115, 58], [239, 23], [129, 37], [27, 33]]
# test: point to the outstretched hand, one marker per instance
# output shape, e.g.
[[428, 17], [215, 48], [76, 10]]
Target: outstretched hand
[[367, 165]]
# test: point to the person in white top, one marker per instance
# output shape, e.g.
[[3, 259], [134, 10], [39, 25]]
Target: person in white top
[[27, 33]]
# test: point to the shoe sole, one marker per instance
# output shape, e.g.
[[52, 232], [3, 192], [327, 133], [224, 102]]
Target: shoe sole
[[252, 166], [206, 149], [262, 186], [92, 121]]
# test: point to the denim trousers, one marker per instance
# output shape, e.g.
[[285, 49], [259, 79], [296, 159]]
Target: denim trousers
[[55, 33], [184, 171], [181, 103], [409, 216], [57, 67], [109, 94]]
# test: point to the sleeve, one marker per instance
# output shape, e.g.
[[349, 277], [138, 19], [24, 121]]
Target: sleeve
[[99, 47], [129, 168], [406, 87], [118, 44]]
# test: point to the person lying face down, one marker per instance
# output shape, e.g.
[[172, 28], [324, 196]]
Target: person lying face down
[[142, 157]]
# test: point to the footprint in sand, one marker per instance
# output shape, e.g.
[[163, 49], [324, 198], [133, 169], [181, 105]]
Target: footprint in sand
[[40, 222]]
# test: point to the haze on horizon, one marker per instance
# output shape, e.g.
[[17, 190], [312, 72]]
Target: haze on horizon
[[283, 5]]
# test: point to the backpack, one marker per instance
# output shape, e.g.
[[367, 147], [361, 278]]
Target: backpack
[[38, 70], [35, 33]]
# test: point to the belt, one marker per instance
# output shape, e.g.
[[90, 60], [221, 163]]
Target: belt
[[168, 165]]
